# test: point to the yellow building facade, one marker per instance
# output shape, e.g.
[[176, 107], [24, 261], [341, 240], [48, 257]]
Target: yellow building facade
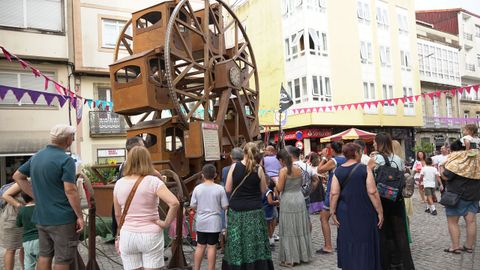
[[329, 53]]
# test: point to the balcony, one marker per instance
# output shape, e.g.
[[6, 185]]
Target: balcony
[[470, 67], [106, 123], [440, 122], [468, 36]]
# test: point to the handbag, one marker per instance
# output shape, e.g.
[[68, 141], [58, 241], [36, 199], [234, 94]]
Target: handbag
[[127, 204], [348, 177], [449, 199]]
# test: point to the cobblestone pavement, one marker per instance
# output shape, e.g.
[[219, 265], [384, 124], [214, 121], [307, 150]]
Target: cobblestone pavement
[[429, 233]]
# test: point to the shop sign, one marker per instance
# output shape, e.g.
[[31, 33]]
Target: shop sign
[[310, 133], [116, 152]]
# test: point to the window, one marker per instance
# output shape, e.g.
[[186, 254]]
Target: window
[[296, 97], [28, 81], [317, 42], [317, 5], [363, 52], [363, 12], [382, 17], [35, 14], [324, 41], [388, 106], [449, 107], [369, 95], [435, 106], [296, 44], [477, 115], [321, 89], [173, 141], [466, 114], [405, 59], [408, 105], [477, 31], [111, 29], [385, 55], [304, 89]]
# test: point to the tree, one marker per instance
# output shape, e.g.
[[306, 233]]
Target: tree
[[426, 147]]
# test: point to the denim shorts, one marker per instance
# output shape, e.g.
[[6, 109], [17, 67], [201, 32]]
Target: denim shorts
[[462, 208]]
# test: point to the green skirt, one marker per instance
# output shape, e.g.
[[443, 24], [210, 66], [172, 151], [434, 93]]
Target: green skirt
[[247, 245]]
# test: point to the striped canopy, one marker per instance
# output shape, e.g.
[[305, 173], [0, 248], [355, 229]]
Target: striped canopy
[[350, 134]]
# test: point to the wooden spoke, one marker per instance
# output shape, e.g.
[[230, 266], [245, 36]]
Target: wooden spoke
[[127, 46], [182, 75], [127, 36], [190, 27], [184, 43], [188, 94], [212, 15]]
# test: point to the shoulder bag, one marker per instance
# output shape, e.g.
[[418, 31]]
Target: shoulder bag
[[342, 187], [127, 204]]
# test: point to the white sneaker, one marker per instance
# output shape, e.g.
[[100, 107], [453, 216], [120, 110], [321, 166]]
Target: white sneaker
[[272, 242], [275, 237]]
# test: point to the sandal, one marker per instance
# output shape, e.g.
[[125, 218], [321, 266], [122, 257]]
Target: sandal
[[454, 251], [468, 250], [322, 251], [285, 264]]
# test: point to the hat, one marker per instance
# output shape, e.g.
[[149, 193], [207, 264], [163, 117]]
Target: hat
[[61, 131]]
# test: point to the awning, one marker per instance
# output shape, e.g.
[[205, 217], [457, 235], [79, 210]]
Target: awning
[[350, 134], [16, 143]]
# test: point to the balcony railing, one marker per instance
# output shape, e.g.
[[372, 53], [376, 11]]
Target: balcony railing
[[470, 67], [468, 36], [439, 122], [107, 123]]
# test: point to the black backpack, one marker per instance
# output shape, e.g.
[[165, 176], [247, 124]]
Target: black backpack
[[390, 180]]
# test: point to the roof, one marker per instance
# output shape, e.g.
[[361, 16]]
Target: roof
[[447, 10]]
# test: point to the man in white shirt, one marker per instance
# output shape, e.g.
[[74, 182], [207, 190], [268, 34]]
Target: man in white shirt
[[439, 161]]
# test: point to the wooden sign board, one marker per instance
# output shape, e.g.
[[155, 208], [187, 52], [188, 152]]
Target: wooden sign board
[[211, 142]]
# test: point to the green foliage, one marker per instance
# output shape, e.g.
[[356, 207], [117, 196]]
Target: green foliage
[[109, 174], [426, 147]]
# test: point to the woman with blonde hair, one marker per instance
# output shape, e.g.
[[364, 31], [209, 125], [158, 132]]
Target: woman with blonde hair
[[135, 200], [247, 238]]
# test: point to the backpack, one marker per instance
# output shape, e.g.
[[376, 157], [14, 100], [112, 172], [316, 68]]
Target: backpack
[[306, 181], [390, 180], [2, 190]]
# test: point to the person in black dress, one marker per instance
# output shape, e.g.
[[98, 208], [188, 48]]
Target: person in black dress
[[357, 211]]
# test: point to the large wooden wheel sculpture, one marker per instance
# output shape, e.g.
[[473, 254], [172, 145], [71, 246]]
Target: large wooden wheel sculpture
[[186, 66], [204, 75]]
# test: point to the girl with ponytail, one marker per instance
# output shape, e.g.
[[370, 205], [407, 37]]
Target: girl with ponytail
[[247, 244]]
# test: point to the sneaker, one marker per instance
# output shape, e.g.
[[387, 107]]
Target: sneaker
[[427, 210], [275, 237], [434, 212], [272, 241]]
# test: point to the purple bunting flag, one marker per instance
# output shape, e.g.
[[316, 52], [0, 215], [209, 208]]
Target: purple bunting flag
[[3, 92], [18, 93], [34, 95], [48, 98], [61, 100]]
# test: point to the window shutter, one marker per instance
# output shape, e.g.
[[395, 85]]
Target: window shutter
[[11, 13], [45, 14]]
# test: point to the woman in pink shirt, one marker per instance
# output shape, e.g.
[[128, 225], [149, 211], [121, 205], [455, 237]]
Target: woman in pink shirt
[[141, 236]]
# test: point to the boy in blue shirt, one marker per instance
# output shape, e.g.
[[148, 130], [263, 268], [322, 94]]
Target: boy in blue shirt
[[30, 233]]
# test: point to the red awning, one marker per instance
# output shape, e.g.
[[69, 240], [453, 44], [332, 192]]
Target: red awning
[[350, 134], [310, 133]]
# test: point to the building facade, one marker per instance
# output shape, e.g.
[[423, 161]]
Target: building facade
[[466, 26], [438, 55], [371, 55], [38, 32], [98, 24]]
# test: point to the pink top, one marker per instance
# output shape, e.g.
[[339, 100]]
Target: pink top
[[143, 211]]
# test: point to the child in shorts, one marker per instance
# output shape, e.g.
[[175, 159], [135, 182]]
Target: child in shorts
[[270, 203], [30, 233], [208, 198], [428, 175]]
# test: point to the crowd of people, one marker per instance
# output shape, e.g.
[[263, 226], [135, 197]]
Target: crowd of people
[[361, 193]]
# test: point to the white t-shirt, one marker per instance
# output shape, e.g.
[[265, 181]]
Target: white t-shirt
[[471, 139], [365, 159], [439, 160], [429, 176]]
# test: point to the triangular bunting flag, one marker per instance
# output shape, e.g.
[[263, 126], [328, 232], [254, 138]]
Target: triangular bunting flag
[[410, 98], [431, 94], [355, 105], [61, 100], [18, 93], [79, 113], [349, 106], [301, 111], [3, 92], [475, 87], [342, 107], [59, 88], [416, 97], [468, 89], [453, 91], [46, 82], [48, 98], [34, 95], [460, 90], [89, 103], [369, 104], [36, 72], [7, 54], [335, 107], [23, 63], [437, 93]]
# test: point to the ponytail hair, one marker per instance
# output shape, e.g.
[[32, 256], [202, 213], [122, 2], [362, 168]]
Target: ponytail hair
[[284, 156], [250, 151]]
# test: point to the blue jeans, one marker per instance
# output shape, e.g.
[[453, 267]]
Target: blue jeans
[[31, 254]]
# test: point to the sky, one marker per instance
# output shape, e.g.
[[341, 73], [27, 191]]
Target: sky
[[470, 5]]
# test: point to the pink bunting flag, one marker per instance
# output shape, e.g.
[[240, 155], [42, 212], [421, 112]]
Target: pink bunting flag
[[336, 107], [349, 106], [460, 90], [437, 93], [369, 104], [342, 107], [7, 54], [410, 98], [36, 72], [355, 105], [23, 64], [46, 82], [59, 88], [475, 87], [394, 101], [453, 91], [416, 97], [430, 95], [468, 89]]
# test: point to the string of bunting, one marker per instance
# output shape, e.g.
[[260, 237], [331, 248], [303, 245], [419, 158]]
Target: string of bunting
[[376, 103], [64, 93]]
